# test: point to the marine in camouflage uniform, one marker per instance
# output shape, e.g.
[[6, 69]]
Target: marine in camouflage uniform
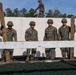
[[50, 35], [31, 35], [11, 36], [41, 8], [63, 34]]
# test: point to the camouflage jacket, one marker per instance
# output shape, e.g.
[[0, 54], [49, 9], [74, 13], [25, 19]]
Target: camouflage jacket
[[50, 34], [40, 7], [11, 34], [63, 32], [31, 35]]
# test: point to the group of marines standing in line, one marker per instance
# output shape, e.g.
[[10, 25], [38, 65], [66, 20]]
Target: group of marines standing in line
[[31, 34]]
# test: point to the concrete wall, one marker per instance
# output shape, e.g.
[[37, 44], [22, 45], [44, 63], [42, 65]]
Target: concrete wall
[[21, 24]]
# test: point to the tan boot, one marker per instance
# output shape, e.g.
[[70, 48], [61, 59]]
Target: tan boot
[[27, 59], [32, 58]]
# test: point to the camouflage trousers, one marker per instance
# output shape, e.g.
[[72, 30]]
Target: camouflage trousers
[[65, 52], [3, 54], [50, 53], [41, 14], [32, 52]]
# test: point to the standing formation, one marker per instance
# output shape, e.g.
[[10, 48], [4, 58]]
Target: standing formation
[[31, 34]]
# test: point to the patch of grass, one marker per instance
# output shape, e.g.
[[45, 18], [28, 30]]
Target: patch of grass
[[54, 68]]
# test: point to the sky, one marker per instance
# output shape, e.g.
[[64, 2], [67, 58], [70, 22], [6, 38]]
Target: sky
[[64, 6]]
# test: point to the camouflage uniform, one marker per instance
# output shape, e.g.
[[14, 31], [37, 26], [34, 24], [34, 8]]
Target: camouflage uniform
[[31, 35], [50, 35], [11, 34], [63, 34], [41, 9]]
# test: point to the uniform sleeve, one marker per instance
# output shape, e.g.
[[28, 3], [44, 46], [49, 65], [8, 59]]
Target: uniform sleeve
[[37, 36], [59, 34], [15, 35], [26, 36], [69, 29], [56, 36], [45, 36], [37, 8]]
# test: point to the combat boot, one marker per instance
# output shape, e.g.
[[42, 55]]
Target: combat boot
[[27, 59]]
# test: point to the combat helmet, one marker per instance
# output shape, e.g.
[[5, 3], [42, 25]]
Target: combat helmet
[[50, 21], [64, 20], [9, 23], [32, 23], [39, 0]]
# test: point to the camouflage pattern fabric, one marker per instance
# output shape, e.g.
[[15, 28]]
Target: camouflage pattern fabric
[[50, 35], [11, 36], [63, 34], [31, 35], [41, 9]]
